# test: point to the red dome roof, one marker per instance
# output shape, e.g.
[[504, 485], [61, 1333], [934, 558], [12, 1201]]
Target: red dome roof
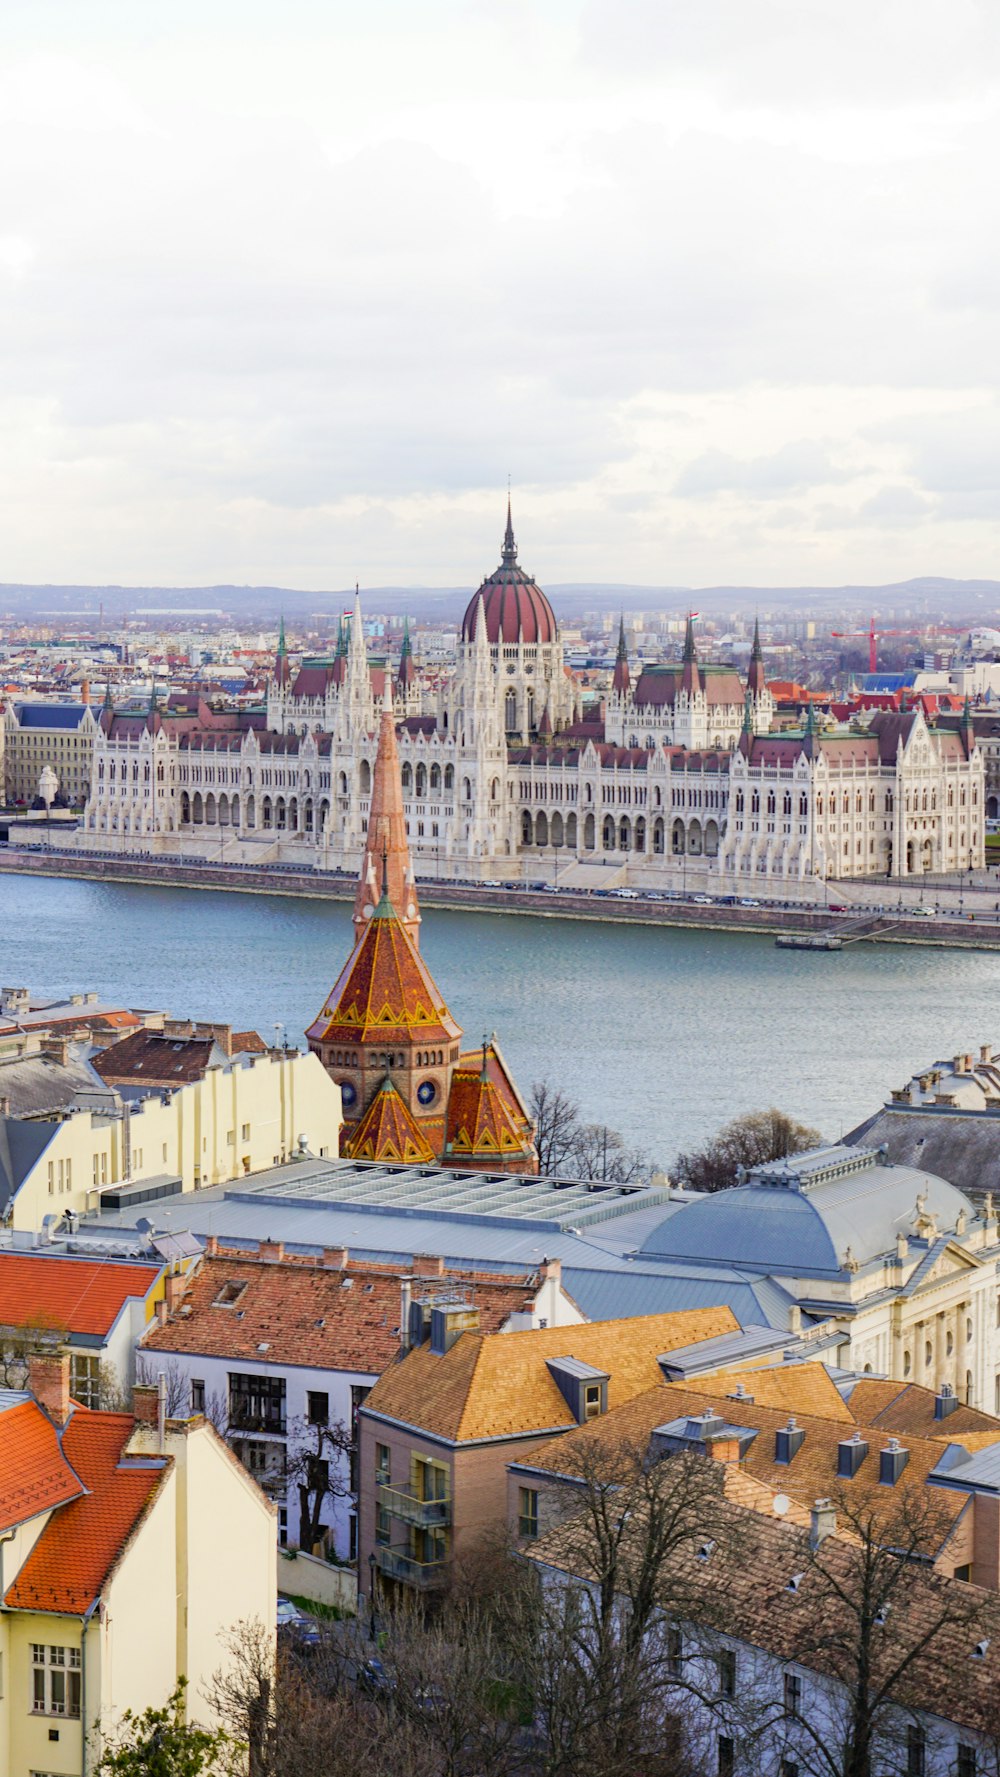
[[516, 609]]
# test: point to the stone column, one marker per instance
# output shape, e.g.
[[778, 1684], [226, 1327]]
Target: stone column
[[961, 1349], [940, 1351]]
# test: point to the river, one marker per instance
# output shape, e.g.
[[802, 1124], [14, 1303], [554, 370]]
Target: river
[[660, 1033]]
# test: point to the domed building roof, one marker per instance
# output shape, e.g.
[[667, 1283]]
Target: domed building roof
[[515, 608], [812, 1214]]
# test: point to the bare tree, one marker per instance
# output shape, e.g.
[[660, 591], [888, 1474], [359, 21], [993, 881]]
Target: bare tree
[[36, 1334], [875, 1620], [319, 1468], [589, 1150], [149, 1367], [557, 1123], [599, 1648], [601, 1153], [747, 1141], [453, 1678]]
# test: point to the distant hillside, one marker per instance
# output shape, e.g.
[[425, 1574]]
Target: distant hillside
[[260, 605]]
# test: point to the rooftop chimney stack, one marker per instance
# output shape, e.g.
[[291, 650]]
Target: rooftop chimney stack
[[48, 1381], [822, 1522]]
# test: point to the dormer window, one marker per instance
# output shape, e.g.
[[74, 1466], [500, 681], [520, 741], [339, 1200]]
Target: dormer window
[[229, 1294], [583, 1388]]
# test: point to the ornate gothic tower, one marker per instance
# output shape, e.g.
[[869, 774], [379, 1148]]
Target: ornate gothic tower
[[386, 1036]]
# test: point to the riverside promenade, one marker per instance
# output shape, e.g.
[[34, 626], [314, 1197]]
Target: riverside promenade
[[972, 921]]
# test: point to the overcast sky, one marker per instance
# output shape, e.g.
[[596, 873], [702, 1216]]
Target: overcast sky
[[289, 287]]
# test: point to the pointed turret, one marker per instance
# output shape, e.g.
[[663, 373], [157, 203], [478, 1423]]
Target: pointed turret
[[755, 675], [967, 729], [387, 853], [691, 677], [810, 733], [282, 667], [621, 680], [108, 701], [509, 546], [407, 671]]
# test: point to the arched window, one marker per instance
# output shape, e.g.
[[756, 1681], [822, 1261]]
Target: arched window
[[407, 776], [435, 777], [449, 777], [365, 777], [420, 781]]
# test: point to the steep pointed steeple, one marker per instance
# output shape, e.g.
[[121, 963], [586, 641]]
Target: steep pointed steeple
[[387, 853], [341, 639], [810, 733], [509, 546], [108, 701], [621, 680], [748, 712], [968, 728], [407, 671], [282, 667], [152, 698], [755, 674], [691, 676]]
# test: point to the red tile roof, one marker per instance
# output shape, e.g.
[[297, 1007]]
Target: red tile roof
[[68, 1295], [387, 1131], [316, 1315], [81, 1543], [34, 1473]]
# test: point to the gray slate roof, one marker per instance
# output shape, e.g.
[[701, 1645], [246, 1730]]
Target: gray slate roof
[[807, 1231], [960, 1146]]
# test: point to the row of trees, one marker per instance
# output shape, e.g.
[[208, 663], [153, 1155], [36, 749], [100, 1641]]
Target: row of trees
[[566, 1144], [623, 1668]]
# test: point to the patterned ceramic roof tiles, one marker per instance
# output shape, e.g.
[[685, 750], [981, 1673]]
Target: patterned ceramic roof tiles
[[35, 1475], [384, 992]]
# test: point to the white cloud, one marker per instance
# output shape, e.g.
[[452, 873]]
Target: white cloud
[[286, 293]]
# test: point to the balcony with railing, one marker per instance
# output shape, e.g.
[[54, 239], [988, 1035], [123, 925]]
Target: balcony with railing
[[395, 1564], [406, 1504]]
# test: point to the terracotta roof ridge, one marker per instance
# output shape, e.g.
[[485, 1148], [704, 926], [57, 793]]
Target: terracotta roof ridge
[[480, 1339]]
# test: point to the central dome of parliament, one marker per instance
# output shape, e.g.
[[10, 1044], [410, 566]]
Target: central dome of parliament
[[515, 608]]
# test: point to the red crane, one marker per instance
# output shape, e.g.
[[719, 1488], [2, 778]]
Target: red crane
[[873, 635]]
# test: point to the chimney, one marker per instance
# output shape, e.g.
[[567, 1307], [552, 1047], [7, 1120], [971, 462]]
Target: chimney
[[211, 1246], [405, 1303], [945, 1401], [335, 1258], [57, 1049], [822, 1522], [891, 1462], [788, 1440], [271, 1252], [985, 1053], [48, 1381], [551, 1270], [145, 1403], [161, 1311], [85, 691], [174, 1285], [794, 1318], [424, 1265], [851, 1453]]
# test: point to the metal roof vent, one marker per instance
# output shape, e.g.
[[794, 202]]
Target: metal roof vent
[[704, 1425], [881, 1616], [945, 1401], [706, 1551], [851, 1453], [795, 1582], [740, 1393], [980, 1650], [788, 1440], [891, 1462]]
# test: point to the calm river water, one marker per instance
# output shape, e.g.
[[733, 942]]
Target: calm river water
[[662, 1034]]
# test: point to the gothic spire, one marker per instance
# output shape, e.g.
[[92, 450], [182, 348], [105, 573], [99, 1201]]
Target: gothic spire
[[620, 678], [282, 649], [509, 546], [690, 655], [756, 652], [108, 702], [387, 853], [755, 675]]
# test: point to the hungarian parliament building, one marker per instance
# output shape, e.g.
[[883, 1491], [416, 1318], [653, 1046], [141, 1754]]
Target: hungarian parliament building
[[507, 774]]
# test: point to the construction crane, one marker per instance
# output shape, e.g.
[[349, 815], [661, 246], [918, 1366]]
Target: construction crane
[[873, 636]]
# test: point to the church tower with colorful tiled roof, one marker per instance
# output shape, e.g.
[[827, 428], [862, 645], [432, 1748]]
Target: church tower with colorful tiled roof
[[386, 1036]]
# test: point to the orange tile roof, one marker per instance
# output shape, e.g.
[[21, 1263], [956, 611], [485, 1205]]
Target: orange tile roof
[[499, 1385], [796, 1388], [387, 1131], [68, 1295], [80, 1545], [812, 1472], [305, 1315], [34, 1472], [385, 992], [906, 1407]]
